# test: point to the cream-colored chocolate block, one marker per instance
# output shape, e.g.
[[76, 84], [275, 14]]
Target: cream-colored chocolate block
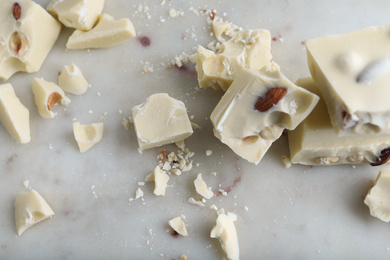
[[250, 49], [46, 95], [226, 232], [160, 181], [72, 80], [14, 116], [256, 108], [179, 226], [87, 135], [27, 34], [161, 120], [315, 141], [352, 71], [30, 209], [378, 197], [107, 32], [78, 14]]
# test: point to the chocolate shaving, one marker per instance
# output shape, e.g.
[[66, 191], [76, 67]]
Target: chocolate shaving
[[383, 158]]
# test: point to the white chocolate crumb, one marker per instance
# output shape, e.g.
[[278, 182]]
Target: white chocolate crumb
[[223, 192], [139, 193], [26, 183], [287, 162], [195, 202]]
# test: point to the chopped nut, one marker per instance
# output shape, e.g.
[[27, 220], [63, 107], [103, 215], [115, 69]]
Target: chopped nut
[[358, 158], [53, 99], [250, 139], [383, 158], [162, 154], [19, 43], [326, 160], [271, 132]]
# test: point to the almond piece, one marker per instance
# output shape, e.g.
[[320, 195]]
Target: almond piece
[[383, 158], [16, 11], [53, 99], [270, 98], [19, 43]]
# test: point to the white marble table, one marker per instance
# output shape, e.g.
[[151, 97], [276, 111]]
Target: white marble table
[[296, 213]]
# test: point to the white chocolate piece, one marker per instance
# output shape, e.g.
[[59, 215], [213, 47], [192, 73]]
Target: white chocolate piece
[[378, 197], [248, 125], [352, 71], [139, 193], [14, 116], [201, 187], [47, 94], [220, 27], [227, 234], [179, 226], [78, 14], [25, 42], [87, 135], [107, 32], [160, 181], [72, 80], [315, 142], [246, 49], [161, 120], [30, 208]]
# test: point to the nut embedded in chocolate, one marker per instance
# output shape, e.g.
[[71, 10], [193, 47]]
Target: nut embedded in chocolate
[[16, 11], [383, 158], [270, 98], [53, 99]]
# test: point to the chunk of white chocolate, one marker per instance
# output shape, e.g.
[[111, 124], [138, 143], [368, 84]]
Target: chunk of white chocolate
[[315, 142], [46, 95], [378, 197], [220, 27], [78, 14], [27, 34], [161, 120], [72, 80], [227, 234], [30, 208], [160, 181], [256, 108], [250, 49], [352, 71], [87, 135], [14, 116], [107, 32], [179, 226], [201, 187]]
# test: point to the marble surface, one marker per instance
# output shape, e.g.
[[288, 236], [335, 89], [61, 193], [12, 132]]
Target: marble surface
[[296, 213]]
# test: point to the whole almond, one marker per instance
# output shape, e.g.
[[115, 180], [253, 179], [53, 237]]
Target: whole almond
[[270, 98], [16, 11]]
